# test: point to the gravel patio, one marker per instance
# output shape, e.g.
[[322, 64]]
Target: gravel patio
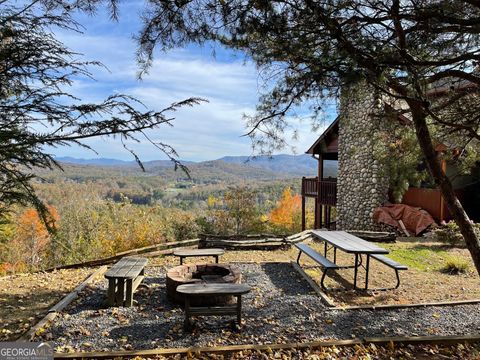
[[281, 308]]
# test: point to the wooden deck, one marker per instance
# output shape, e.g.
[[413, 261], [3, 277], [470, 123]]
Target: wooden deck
[[324, 193]]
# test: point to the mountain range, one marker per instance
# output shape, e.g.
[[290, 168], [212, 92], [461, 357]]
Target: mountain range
[[286, 165]]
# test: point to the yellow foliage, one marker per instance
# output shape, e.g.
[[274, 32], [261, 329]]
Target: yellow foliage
[[211, 201]]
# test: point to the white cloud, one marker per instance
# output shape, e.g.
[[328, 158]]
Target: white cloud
[[208, 131]]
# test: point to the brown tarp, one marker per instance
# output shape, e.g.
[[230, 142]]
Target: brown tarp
[[415, 219]]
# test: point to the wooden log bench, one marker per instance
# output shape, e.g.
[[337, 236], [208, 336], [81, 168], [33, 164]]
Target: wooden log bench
[[318, 258], [123, 279], [191, 290], [390, 263], [184, 253]]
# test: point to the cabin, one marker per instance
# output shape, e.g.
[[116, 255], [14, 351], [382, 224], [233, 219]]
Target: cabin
[[347, 200]]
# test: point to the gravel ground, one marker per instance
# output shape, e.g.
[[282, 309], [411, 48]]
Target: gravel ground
[[280, 308]]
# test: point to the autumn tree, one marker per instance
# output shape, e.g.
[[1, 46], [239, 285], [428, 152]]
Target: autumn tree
[[287, 214], [236, 213], [39, 111], [32, 237], [409, 51], [242, 209]]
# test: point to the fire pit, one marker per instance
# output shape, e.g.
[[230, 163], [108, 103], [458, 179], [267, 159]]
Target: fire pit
[[204, 273]]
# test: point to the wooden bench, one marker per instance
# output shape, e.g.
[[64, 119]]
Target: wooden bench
[[123, 279], [184, 253], [391, 263], [191, 290], [320, 259]]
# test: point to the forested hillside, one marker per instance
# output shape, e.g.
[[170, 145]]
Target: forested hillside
[[98, 210]]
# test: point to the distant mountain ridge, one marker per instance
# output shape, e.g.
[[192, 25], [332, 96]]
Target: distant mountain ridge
[[292, 165], [303, 165], [114, 162]]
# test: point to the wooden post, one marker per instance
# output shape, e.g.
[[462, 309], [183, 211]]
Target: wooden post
[[111, 291], [187, 324], [303, 212], [327, 216], [320, 213], [320, 179], [129, 295], [239, 310], [320, 167], [120, 292]]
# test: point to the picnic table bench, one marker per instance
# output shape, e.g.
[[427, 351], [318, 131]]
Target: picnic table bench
[[393, 264], [123, 279], [184, 253], [352, 245], [191, 290], [321, 260]]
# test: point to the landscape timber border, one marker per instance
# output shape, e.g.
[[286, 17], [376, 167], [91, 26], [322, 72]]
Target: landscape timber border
[[147, 251], [452, 339], [165, 249], [62, 304], [325, 299], [401, 306]]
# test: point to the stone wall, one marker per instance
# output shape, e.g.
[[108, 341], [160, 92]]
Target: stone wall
[[362, 183]]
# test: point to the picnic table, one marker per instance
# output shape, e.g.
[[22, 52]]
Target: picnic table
[[184, 253], [191, 290], [354, 245]]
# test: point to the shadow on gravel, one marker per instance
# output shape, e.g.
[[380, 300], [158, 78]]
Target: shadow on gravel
[[143, 334], [153, 280], [286, 279], [94, 297]]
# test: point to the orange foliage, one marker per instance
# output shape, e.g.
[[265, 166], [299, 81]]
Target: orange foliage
[[288, 211], [31, 236], [6, 268]]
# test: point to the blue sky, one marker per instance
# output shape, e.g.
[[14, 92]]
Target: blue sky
[[208, 131]]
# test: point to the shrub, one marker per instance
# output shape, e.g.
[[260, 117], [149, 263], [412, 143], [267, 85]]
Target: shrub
[[455, 265], [450, 234]]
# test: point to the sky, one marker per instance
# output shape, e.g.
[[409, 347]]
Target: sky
[[229, 82]]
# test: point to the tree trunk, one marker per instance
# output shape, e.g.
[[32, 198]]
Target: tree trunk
[[444, 184]]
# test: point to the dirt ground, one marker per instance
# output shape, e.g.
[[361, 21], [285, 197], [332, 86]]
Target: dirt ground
[[423, 282], [26, 298]]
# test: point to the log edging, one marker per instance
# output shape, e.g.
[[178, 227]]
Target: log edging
[[62, 304], [450, 339], [147, 251], [325, 299], [401, 306]]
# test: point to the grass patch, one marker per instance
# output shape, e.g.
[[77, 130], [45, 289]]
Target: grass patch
[[423, 258], [455, 265]]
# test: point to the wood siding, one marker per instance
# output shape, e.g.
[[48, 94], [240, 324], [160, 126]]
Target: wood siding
[[428, 199]]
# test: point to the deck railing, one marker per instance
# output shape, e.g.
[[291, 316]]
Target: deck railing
[[325, 191], [310, 187]]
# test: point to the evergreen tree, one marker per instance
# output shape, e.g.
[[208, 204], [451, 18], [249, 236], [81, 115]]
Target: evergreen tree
[[38, 111], [424, 53]]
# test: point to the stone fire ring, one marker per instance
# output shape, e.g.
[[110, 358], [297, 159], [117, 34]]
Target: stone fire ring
[[201, 273]]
